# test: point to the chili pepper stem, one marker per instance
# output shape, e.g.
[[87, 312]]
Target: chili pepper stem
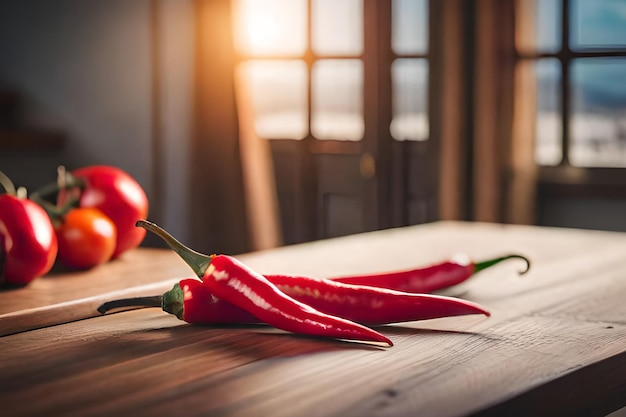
[[171, 302], [198, 262], [479, 266], [151, 301]]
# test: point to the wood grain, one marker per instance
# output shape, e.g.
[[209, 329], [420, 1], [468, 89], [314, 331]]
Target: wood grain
[[554, 345], [65, 296], [134, 268], [69, 311]]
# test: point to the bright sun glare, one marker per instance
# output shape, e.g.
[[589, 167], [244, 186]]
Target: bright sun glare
[[258, 27], [270, 27]]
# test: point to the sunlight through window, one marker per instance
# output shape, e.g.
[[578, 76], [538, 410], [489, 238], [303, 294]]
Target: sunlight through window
[[270, 27]]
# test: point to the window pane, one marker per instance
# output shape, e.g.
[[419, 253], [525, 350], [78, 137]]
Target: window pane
[[409, 26], [548, 25], [337, 99], [598, 123], [279, 98], [598, 23], [337, 27], [270, 27], [539, 25], [409, 79], [549, 128]]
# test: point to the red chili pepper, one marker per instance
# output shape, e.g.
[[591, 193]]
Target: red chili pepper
[[115, 193], [193, 302], [28, 244], [190, 300], [371, 305], [231, 280], [428, 279]]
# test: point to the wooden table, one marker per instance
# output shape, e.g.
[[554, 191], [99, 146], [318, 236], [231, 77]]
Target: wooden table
[[554, 345]]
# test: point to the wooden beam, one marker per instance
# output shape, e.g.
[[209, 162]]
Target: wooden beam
[[494, 64], [258, 173], [452, 167], [218, 206]]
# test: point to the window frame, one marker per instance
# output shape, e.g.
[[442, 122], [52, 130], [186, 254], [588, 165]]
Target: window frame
[[564, 178], [390, 192]]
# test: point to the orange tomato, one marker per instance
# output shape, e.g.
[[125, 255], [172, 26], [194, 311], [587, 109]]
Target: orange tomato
[[119, 196], [86, 238]]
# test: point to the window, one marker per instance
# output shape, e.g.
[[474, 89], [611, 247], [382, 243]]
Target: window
[[409, 71], [311, 82], [578, 56], [570, 112], [277, 29], [304, 85], [341, 91]]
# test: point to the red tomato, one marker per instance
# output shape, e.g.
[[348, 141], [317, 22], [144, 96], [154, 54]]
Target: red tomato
[[86, 238], [28, 245], [119, 197]]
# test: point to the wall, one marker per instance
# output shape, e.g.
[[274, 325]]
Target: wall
[[584, 213], [86, 68], [175, 78]]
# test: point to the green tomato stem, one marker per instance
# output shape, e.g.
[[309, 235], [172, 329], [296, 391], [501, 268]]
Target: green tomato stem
[[7, 184]]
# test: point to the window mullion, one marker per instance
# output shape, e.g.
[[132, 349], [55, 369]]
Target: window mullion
[[565, 58]]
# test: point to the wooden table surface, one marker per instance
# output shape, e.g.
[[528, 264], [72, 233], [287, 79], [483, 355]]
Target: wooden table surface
[[554, 345]]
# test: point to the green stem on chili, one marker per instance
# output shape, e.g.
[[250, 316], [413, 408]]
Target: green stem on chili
[[171, 302], [198, 262], [479, 266], [428, 279], [148, 301]]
